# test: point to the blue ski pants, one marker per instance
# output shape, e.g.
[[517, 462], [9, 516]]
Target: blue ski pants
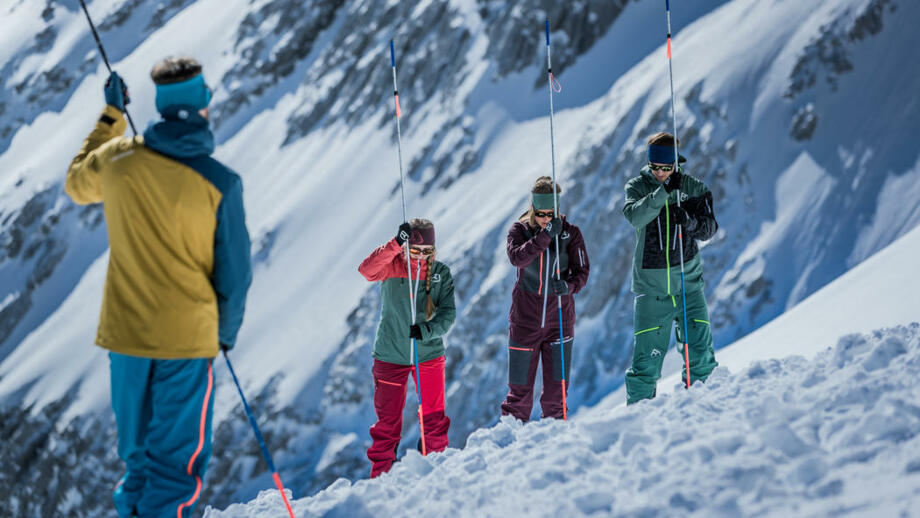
[[163, 411]]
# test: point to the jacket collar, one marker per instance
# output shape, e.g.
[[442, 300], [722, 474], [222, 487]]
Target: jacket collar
[[181, 138]]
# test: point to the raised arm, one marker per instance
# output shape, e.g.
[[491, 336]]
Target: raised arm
[[382, 263], [521, 250], [84, 177], [641, 210], [700, 208]]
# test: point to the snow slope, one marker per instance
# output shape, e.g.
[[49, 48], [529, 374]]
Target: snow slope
[[878, 293], [836, 435]]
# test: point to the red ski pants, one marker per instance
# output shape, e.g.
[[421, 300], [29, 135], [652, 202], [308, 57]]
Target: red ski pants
[[390, 386]]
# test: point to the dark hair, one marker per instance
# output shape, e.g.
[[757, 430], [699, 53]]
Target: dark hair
[[543, 185], [429, 305], [175, 70], [662, 139]]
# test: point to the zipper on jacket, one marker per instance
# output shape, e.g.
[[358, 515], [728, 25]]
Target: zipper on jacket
[[658, 219], [667, 251], [540, 289], [545, 293]]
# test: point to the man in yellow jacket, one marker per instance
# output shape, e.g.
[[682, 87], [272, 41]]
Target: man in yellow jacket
[[179, 270]]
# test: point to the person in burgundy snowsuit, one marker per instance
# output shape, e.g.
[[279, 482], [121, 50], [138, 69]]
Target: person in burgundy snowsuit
[[393, 354], [534, 317]]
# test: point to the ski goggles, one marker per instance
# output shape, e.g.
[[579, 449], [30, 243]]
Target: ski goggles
[[543, 214], [421, 251], [660, 167]]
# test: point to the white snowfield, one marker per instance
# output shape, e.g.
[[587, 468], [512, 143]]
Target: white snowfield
[[838, 435]]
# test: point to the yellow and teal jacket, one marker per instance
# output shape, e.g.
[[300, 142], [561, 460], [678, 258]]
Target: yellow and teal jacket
[[179, 265]]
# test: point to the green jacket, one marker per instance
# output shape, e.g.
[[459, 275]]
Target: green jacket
[[392, 344], [656, 262]]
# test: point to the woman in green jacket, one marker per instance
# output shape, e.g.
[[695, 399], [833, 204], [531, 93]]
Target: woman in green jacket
[[393, 355]]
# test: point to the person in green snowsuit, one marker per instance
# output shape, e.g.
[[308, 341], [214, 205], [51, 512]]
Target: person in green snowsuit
[[652, 209]]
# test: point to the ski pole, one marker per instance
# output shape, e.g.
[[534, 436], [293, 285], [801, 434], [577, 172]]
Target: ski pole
[[680, 232], [412, 309], [552, 147], [255, 428], [105, 58]]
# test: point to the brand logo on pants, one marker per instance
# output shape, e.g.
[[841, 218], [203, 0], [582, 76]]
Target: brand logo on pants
[[656, 353]]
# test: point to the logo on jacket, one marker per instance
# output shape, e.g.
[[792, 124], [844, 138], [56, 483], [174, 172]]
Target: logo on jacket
[[655, 353], [684, 196], [436, 277], [565, 235]]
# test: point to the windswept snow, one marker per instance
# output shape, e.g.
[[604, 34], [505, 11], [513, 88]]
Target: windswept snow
[[838, 435]]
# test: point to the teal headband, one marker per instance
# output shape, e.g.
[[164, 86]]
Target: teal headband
[[192, 93], [543, 201]]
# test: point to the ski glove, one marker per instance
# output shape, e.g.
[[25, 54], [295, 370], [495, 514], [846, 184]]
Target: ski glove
[[682, 218], [672, 183], [415, 332], [553, 228], [116, 92], [405, 230], [560, 287]]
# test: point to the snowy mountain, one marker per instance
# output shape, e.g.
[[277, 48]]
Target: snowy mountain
[[789, 425], [798, 116]]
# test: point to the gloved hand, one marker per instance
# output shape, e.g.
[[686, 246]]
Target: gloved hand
[[560, 287], [682, 218], [116, 92], [415, 332], [553, 228], [405, 231], [672, 183]]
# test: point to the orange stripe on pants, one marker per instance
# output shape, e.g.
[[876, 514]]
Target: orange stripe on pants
[[201, 431]]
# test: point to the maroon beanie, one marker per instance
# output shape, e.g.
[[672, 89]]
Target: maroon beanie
[[422, 236]]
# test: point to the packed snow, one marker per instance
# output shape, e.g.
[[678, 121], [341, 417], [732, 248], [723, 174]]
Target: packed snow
[[838, 435]]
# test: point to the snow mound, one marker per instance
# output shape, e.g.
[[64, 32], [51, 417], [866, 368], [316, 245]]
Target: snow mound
[[835, 435]]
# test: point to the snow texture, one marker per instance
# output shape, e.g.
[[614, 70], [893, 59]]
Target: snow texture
[[838, 435]]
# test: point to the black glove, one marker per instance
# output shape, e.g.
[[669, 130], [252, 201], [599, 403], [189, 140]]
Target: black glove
[[405, 231], [225, 348], [415, 332], [672, 182], [553, 228], [560, 287], [116, 92], [682, 218]]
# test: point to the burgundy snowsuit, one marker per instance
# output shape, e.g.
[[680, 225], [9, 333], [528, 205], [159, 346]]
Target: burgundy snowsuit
[[533, 332]]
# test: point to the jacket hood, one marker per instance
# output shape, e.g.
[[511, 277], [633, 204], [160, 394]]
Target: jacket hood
[[181, 138]]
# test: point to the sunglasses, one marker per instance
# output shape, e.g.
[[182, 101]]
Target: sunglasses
[[543, 214], [421, 251], [657, 167]]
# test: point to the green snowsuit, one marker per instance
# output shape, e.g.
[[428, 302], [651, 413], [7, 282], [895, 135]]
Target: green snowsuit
[[657, 279]]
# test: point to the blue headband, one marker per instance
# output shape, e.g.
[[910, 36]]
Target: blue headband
[[661, 154], [192, 93]]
